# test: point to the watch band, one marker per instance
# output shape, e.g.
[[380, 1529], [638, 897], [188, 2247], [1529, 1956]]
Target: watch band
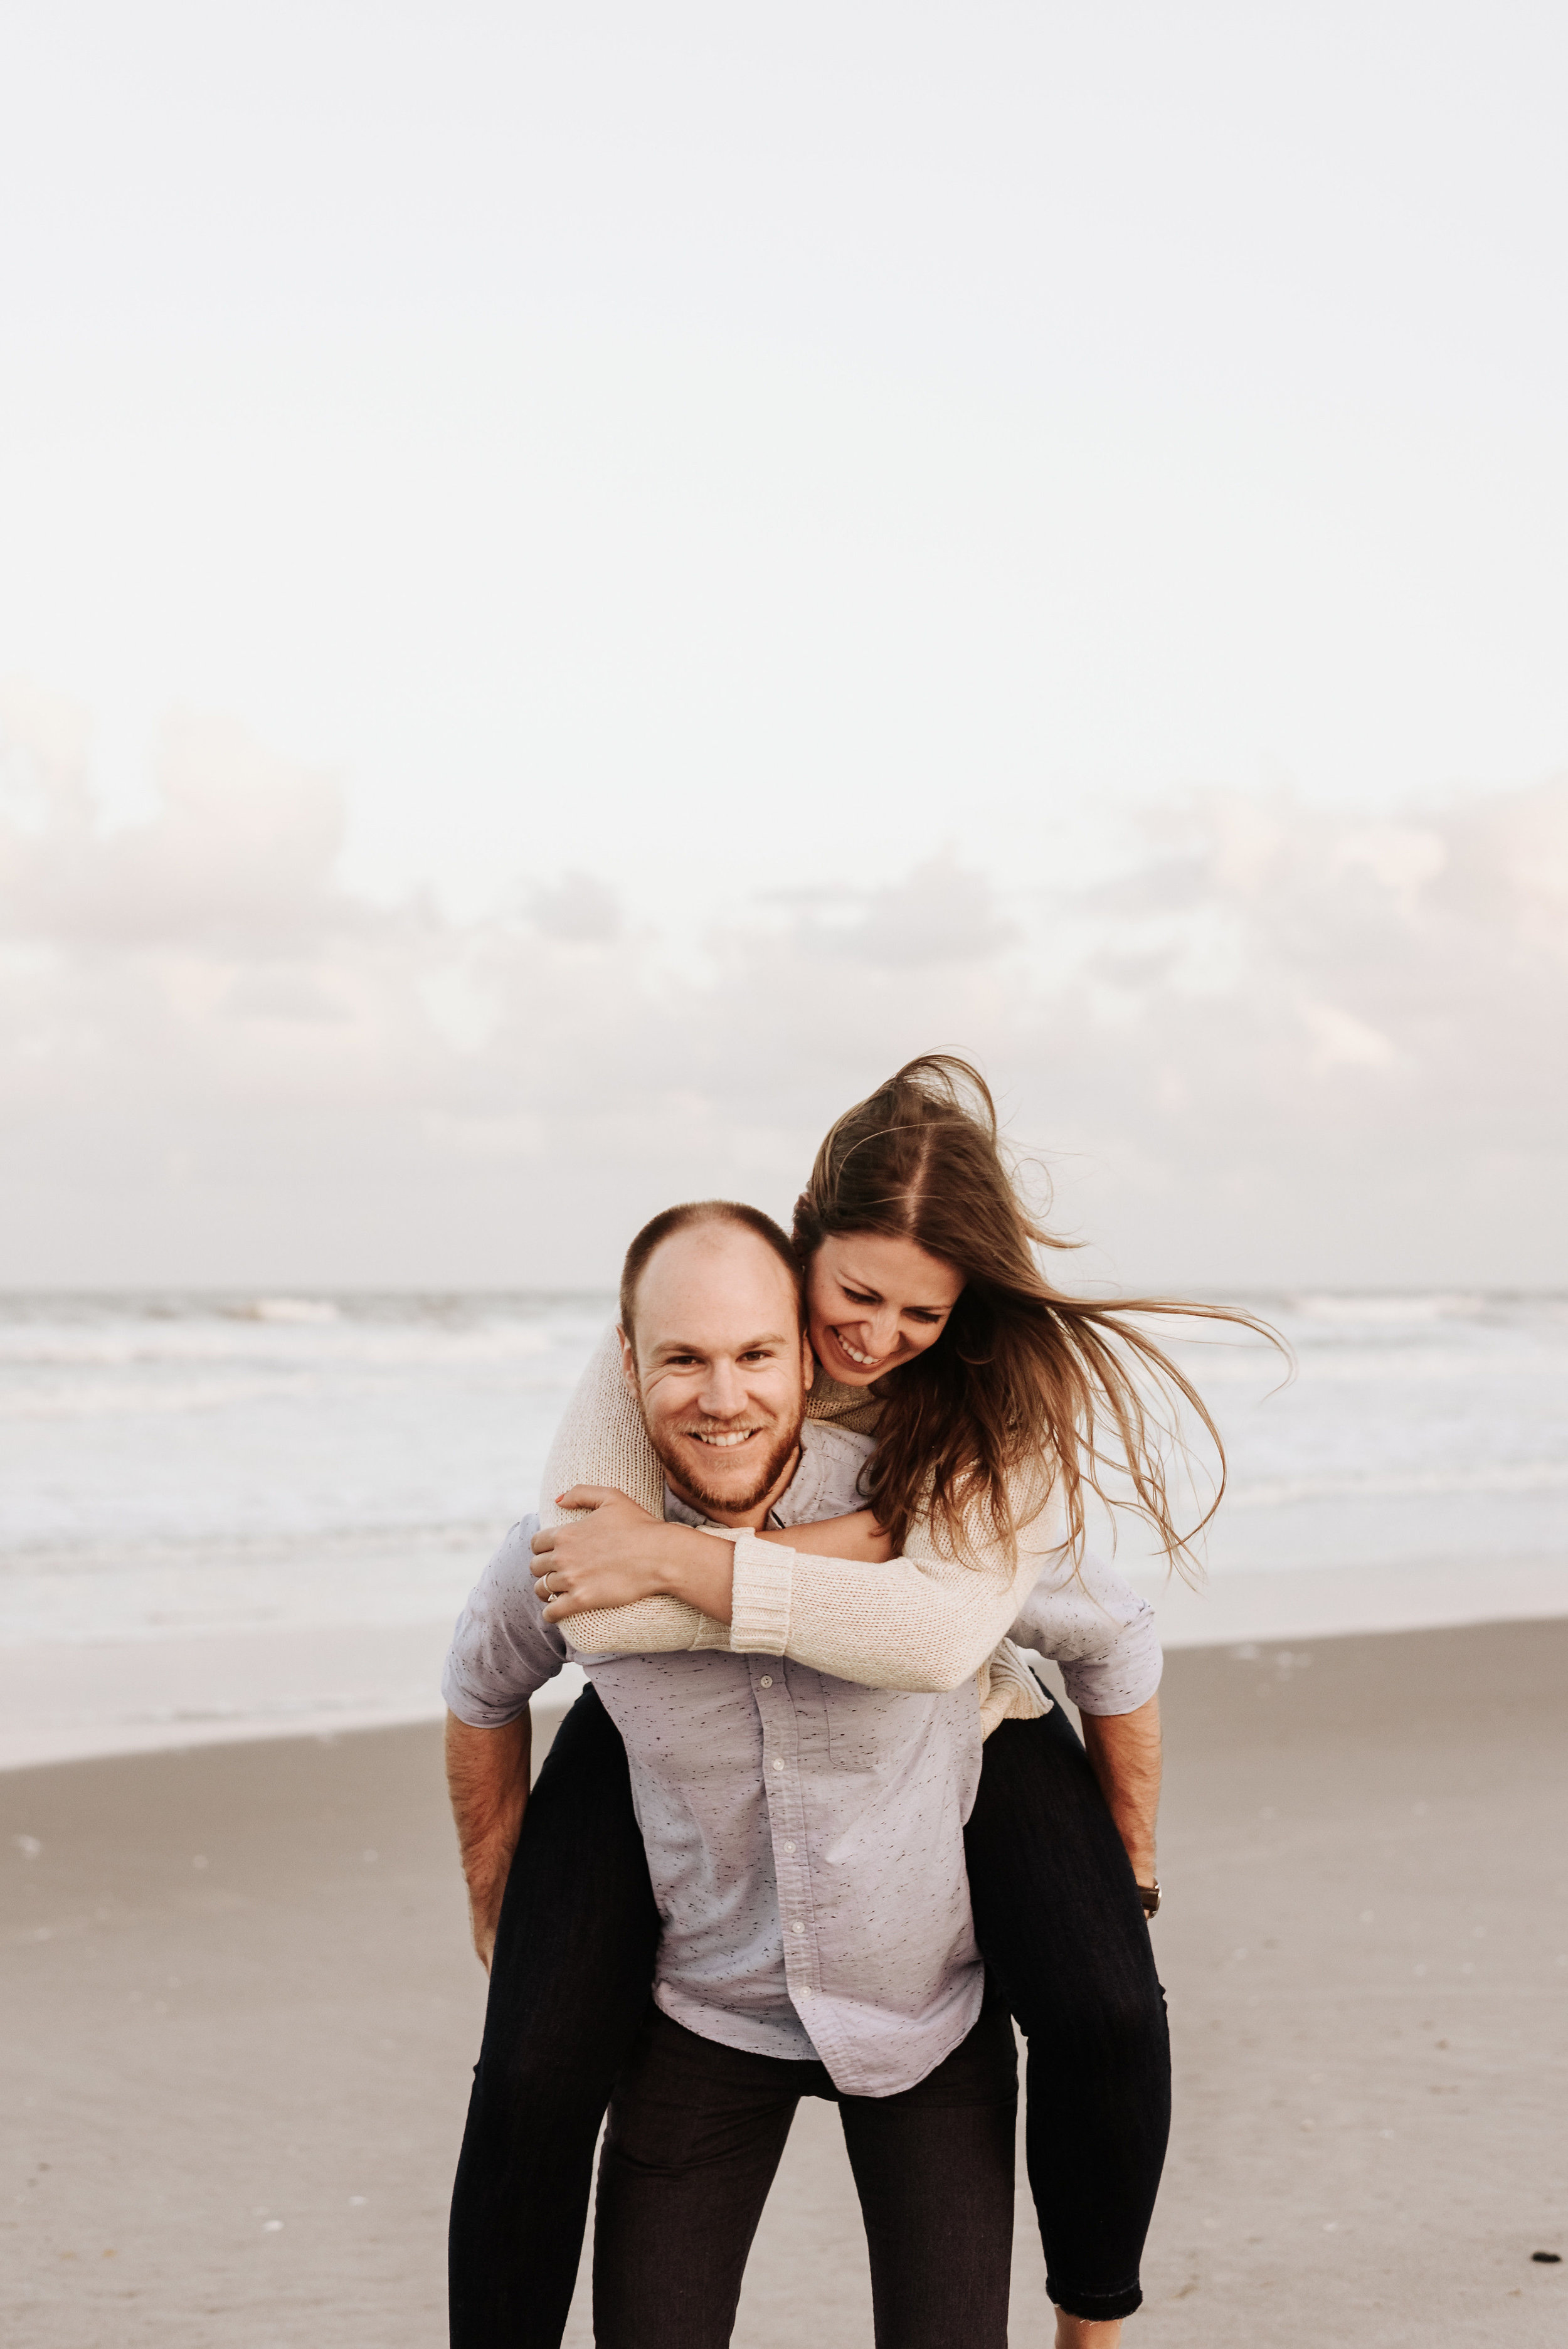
[[1150, 1896]]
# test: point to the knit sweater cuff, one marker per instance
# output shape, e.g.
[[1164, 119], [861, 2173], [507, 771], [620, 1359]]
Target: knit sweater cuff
[[708, 1633], [764, 1586]]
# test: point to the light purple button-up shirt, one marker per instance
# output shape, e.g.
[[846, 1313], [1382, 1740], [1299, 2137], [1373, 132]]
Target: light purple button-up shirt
[[805, 1835]]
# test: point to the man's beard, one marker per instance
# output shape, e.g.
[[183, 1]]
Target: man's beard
[[736, 1505]]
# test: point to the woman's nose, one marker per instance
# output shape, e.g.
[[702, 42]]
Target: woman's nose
[[879, 1336]]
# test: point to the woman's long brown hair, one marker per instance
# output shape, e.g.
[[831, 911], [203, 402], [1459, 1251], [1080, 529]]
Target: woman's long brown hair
[[1027, 1387]]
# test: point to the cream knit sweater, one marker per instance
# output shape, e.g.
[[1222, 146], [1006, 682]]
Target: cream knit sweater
[[925, 1620]]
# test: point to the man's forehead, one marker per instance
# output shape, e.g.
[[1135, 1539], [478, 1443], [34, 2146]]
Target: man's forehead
[[711, 1264]]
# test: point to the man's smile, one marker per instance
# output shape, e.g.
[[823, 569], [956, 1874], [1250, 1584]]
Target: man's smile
[[724, 1439]]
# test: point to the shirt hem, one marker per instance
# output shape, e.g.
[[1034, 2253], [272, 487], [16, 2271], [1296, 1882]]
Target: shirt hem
[[970, 2010], [704, 2020]]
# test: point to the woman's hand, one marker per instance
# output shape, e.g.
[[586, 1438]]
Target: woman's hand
[[620, 1554]]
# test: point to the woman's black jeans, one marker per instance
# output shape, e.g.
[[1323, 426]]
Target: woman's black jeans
[[1065, 1940], [1063, 1934]]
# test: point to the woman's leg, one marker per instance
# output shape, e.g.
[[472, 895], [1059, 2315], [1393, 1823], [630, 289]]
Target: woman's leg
[[1065, 1939], [696, 2134], [570, 1985], [933, 2167]]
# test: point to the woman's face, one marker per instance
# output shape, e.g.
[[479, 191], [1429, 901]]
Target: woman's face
[[875, 1303]]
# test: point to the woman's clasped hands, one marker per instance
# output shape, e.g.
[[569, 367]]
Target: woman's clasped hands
[[611, 1556]]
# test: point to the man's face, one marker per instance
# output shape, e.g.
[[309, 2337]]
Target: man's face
[[720, 1368]]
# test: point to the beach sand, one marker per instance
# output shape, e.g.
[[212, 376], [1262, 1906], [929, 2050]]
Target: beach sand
[[240, 2013]]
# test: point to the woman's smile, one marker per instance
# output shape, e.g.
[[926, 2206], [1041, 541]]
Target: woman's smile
[[865, 1362]]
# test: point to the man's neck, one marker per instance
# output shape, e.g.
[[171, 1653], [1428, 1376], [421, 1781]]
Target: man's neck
[[736, 1518]]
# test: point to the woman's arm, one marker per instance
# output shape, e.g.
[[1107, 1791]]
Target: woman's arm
[[615, 1555], [926, 1621]]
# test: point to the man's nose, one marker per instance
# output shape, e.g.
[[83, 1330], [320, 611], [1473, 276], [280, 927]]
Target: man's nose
[[722, 1391]]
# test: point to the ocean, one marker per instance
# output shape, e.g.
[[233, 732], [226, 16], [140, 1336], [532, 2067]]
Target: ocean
[[176, 1465]]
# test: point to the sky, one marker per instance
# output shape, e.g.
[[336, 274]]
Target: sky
[[574, 586]]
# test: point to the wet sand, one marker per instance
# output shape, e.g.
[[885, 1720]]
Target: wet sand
[[240, 2012]]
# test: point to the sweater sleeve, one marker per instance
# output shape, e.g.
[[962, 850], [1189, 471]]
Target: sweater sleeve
[[927, 1620]]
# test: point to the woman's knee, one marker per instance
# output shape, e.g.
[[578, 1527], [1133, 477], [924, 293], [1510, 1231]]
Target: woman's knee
[[1081, 1983]]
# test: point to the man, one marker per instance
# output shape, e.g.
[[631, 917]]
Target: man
[[804, 1837]]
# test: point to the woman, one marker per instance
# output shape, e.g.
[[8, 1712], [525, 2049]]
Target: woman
[[990, 1394]]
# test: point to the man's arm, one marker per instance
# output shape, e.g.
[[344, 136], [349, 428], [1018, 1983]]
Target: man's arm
[[487, 1777], [1124, 1752]]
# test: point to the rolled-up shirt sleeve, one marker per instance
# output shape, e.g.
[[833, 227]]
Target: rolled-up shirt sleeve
[[1098, 1629], [503, 1651]]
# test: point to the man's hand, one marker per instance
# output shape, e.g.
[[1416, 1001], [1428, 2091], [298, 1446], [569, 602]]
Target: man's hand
[[619, 1554], [487, 1776], [1124, 1749]]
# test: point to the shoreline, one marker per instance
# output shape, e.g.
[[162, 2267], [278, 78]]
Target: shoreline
[[78, 1700]]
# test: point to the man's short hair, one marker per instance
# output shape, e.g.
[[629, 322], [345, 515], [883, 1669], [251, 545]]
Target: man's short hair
[[703, 1211]]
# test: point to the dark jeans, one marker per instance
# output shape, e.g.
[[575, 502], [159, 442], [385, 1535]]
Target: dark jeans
[[571, 1983], [695, 2137], [1066, 1943], [1064, 1938]]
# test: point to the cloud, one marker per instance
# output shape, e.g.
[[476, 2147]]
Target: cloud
[[1340, 1040], [240, 858], [1284, 1046], [579, 910]]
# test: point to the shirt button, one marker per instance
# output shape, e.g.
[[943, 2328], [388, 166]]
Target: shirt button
[[798, 1928], [789, 1846], [779, 1765], [767, 1679]]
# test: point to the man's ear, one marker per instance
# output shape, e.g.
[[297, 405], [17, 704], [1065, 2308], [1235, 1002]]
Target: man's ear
[[808, 1359], [629, 1364]]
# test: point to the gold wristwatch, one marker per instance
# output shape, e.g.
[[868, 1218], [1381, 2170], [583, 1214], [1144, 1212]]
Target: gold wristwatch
[[1150, 1896]]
